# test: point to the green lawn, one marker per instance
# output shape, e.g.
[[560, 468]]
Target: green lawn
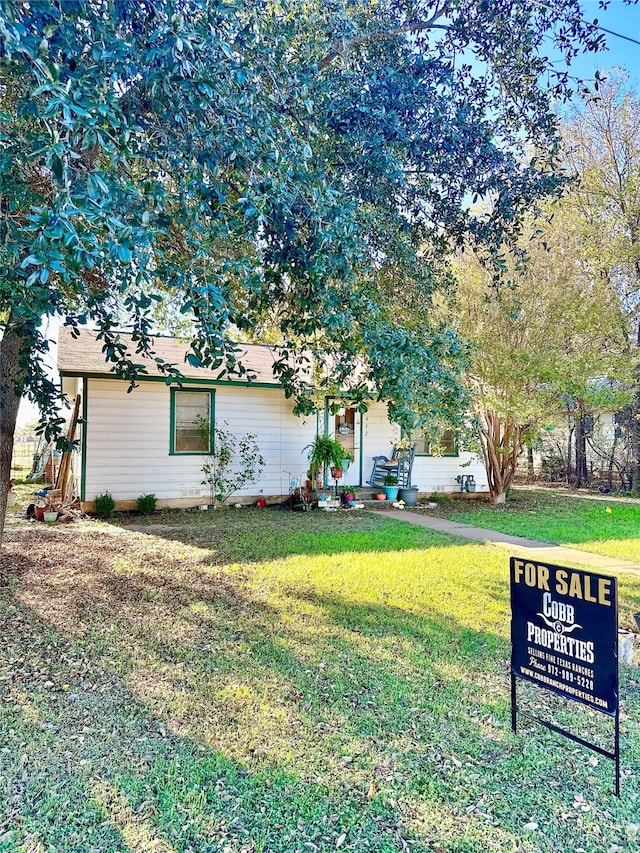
[[264, 681], [604, 525]]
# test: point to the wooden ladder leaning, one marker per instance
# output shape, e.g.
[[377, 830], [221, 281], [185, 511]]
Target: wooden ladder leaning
[[64, 471]]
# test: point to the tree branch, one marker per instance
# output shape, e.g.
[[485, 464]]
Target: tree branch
[[412, 27]]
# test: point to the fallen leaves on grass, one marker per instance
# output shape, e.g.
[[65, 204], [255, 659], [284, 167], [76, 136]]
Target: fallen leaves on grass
[[311, 702]]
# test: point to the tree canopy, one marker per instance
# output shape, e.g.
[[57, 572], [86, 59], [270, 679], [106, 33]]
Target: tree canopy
[[553, 331], [251, 161], [602, 140]]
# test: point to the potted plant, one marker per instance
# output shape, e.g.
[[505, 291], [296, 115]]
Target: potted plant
[[326, 452], [380, 496], [319, 456], [391, 487], [342, 458], [50, 514], [348, 495]]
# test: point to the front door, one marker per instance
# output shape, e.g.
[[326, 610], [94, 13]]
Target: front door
[[345, 425]]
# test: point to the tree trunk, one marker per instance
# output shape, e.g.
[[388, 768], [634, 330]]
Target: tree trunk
[[635, 440], [501, 441], [567, 473], [611, 460], [12, 379], [530, 466], [582, 475]]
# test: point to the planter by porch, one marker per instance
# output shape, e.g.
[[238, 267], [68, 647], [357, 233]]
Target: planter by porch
[[391, 492], [408, 494], [380, 496], [50, 516]]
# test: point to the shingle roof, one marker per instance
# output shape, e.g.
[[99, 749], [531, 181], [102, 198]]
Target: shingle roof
[[83, 356]]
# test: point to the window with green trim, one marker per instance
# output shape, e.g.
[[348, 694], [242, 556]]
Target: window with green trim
[[445, 445], [191, 421]]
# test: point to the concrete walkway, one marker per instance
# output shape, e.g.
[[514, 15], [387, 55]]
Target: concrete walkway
[[518, 545]]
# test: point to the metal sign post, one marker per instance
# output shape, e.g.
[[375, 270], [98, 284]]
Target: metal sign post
[[564, 637]]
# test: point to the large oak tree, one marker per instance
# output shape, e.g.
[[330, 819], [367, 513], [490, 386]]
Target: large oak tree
[[253, 161]]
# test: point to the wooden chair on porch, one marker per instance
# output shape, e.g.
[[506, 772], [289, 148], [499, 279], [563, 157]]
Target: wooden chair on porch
[[399, 466]]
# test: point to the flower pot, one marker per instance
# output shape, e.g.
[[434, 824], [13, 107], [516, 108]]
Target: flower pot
[[381, 496], [336, 473], [408, 494], [391, 492], [50, 516], [39, 512]]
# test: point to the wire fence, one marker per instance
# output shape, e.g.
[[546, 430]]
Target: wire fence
[[22, 459]]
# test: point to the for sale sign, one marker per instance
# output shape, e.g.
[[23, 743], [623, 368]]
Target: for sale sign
[[564, 632]]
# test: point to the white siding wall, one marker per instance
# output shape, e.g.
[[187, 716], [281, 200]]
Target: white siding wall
[[128, 440], [431, 474], [128, 444]]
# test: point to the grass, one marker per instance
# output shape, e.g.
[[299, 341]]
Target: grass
[[603, 525], [259, 681]]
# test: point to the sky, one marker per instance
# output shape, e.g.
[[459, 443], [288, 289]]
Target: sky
[[618, 17]]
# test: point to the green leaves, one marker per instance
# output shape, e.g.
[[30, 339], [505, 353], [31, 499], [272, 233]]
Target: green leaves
[[296, 168]]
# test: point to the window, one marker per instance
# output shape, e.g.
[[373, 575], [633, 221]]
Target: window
[[191, 421], [445, 445]]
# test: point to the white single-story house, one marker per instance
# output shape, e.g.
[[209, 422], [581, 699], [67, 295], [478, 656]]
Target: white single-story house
[[137, 443]]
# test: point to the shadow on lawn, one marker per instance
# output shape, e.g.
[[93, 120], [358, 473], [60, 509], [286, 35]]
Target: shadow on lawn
[[87, 766], [159, 704], [174, 711], [254, 535]]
